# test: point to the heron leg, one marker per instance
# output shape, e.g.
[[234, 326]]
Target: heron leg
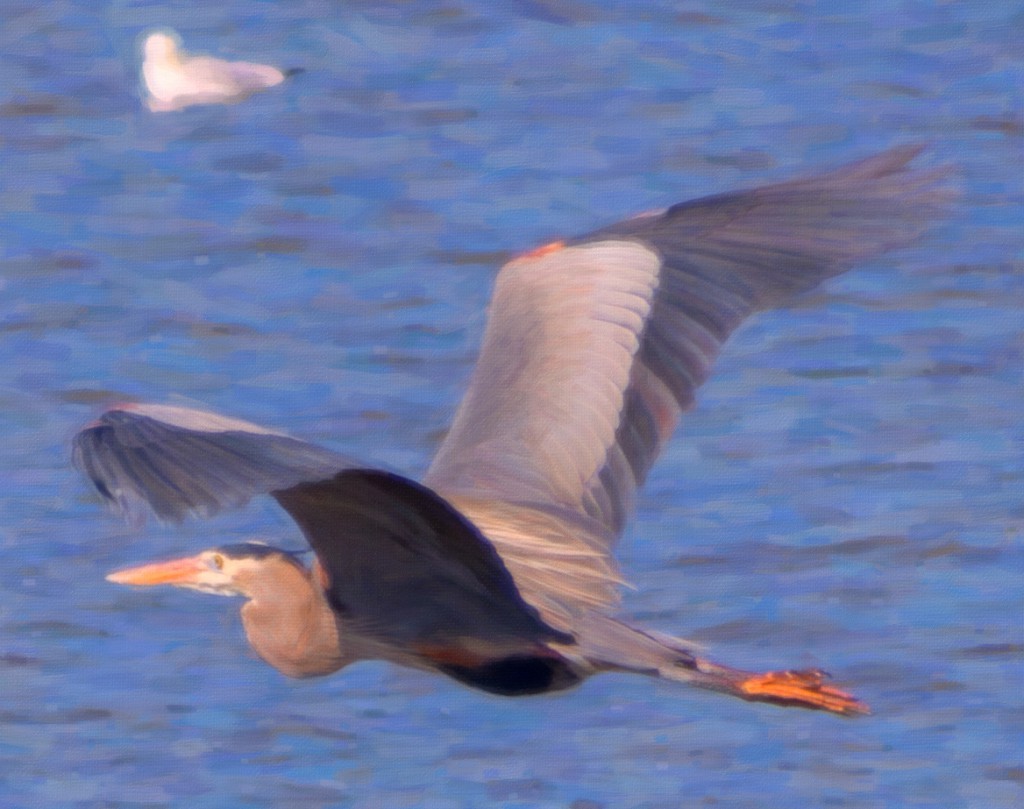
[[610, 645], [804, 688]]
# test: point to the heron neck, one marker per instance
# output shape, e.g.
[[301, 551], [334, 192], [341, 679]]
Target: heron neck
[[290, 625]]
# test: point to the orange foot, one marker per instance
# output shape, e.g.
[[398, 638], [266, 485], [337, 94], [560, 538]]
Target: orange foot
[[806, 689]]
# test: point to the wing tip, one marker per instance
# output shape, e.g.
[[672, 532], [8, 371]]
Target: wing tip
[[889, 161], [930, 184]]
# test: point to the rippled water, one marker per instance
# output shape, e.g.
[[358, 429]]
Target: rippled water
[[847, 494]]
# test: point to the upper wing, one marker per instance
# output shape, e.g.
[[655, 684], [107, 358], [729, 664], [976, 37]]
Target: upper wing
[[593, 349], [180, 461]]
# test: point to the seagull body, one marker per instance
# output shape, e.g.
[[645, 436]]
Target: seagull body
[[497, 568], [175, 80]]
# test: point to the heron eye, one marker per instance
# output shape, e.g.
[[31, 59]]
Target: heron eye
[[218, 561]]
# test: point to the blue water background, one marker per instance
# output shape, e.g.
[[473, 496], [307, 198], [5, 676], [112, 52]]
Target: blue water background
[[848, 493]]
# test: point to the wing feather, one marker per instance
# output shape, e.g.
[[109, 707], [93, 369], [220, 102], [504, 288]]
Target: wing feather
[[543, 407], [180, 461], [556, 421]]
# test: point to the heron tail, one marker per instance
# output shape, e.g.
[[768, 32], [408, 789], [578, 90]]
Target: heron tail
[[611, 645]]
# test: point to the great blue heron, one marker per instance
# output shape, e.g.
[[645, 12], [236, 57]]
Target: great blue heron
[[496, 570], [174, 80]]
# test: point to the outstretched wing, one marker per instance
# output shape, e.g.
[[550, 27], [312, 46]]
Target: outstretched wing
[[401, 564], [593, 348], [179, 461]]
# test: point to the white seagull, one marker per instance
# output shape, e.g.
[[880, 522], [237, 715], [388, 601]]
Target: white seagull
[[175, 80]]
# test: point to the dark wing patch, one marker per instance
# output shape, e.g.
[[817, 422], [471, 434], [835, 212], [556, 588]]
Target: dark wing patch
[[406, 567]]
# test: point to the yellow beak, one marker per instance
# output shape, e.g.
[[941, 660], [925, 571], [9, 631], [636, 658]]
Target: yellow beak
[[176, 571]]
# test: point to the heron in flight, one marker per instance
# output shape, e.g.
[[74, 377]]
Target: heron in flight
[[497, 570]]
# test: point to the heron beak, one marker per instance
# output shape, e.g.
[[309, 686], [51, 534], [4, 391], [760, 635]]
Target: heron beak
[[176, 571]]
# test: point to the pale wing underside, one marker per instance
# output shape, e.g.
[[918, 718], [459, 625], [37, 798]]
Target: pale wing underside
[[545, 399], [591, 352], [558, 558]]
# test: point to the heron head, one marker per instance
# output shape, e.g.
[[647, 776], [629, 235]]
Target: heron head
[[230, 570]]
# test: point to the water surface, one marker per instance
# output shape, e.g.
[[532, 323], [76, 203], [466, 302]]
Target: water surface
[[846, 495]]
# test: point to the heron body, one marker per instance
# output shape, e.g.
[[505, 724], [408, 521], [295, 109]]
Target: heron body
[[497, 569]]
